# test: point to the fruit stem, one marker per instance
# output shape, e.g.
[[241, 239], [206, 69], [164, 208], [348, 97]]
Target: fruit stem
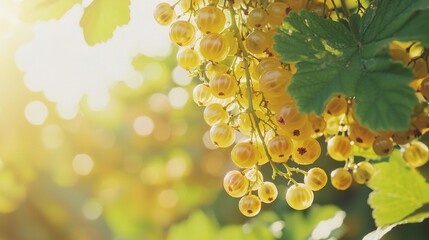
[[250, 109]]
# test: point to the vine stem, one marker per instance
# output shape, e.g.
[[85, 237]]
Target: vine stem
[[251, 109]]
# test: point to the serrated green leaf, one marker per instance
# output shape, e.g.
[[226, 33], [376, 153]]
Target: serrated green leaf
[[34, 10], [398, 191], [102, 17], [353, 60]]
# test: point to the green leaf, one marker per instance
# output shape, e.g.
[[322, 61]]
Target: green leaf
[[34, 10], [335, 58], [300, 226], [102, 17], [398, 191], [381, 231]]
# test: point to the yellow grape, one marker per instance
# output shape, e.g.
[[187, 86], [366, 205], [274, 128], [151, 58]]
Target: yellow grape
[[399, 54], [182, 33], [257, 42], [280, 148], [268, 192], [188, 58], [274, 82], [299, 197], [257, 18], [417, 154], [403, 137], [239, 69], [244, 155], [202, 94], [215, 113], [243, 97], [300, 133], [306, 152], [233, 44], [288, 116], [210, 19], [339, 148], [420, 68], [223, 85], [262, 155], [266, 64], [424, 88], [317, 123], [249, 205], [421, 122], [235, 183], [213, 69], [186, 4], [246, 122], [382, 146], [316, 179], [363, 172], [336, 106], [164, 13], [214, 47], [275, 103], [296, 5], [276, 12], [341, 179], [360, 135], [222, 135]]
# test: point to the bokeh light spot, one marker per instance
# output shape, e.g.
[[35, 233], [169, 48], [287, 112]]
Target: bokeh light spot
[[178, 97], [82, 164], [143, 125], [168, 198], [92, 210], [36, 112]]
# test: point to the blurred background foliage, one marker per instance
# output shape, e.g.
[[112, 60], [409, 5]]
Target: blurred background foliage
[[136, 166]]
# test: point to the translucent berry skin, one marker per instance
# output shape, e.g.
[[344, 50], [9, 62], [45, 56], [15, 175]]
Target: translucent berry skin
[[202, 94], [257, 42], [274, 81], [306, 152], [341, 179], [223, 85], [316, 179], [235, 184], [299, 197], [188, 58], [244, 155], [337, 106], [424, 88], [222, 135], [382, 146], [164, 14], [249, 205], [214, 47], [257, 18], [268, 192], [182, 33], [215, 113], [339, 148], [210, 19], [362, 172], [280, 148], [361, 135], [417, 154]]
